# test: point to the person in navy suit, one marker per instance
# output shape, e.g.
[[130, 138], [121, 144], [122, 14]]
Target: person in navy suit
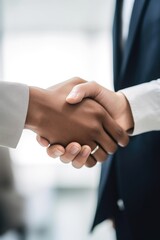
[[129, 190]]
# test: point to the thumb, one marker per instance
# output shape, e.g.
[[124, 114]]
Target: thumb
[[81, 91]]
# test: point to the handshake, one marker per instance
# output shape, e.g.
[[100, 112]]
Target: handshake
[[79, 121]]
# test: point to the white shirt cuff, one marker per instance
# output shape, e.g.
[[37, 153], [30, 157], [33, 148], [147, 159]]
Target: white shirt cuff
[[144, 100]]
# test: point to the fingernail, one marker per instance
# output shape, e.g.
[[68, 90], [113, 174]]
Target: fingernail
[[57, 153], [72, 94], [121, 145], [85, 152], [73, 150], [110, 153], [76, 164]]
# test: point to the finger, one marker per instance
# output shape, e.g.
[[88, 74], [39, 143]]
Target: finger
[[71, 152], [42, 141], [83, 90], [55, 151], [91, 162], [80, 160], [115, 131], [106, 143], [100, 155]]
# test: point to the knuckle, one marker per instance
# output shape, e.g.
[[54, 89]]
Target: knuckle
[[100, 113], [96, 86], [95, 130], [93, 83], [77, 80]]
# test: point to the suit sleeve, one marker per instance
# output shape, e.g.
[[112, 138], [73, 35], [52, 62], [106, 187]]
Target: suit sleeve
[[14, 100], [144, 100]]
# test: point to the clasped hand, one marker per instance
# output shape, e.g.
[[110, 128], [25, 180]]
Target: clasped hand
[[72, 130]]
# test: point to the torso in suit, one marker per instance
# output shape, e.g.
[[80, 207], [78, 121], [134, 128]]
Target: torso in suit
[[133, 173]]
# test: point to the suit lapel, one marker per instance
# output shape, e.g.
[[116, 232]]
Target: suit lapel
[[134, 24]]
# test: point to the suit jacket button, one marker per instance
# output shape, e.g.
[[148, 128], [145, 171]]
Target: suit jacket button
[[120, 205]]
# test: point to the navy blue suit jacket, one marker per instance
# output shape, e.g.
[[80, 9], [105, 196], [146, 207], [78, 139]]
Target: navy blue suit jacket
[[133, 173]]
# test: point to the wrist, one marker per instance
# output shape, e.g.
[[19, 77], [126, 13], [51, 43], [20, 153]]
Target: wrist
[[34, 113], [125, 119]]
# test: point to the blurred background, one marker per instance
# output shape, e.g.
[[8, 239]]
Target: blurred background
[[44, 42]]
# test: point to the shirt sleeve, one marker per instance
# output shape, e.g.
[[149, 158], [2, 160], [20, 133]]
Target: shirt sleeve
[[14, 98], [144, 100]]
